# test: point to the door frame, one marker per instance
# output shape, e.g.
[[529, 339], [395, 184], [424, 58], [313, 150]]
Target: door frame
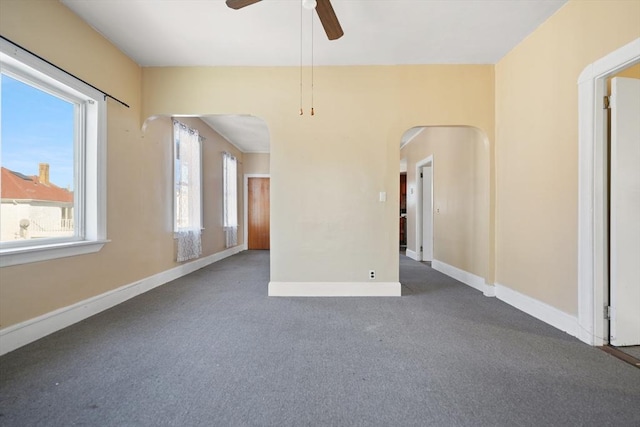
[[593, 269], [246, 203], [419, 203]]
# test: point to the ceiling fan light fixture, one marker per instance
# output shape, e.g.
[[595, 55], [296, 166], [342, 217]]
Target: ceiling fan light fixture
[[309, 4]]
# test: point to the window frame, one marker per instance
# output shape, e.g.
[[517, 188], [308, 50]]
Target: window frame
[[89, 159], [200, 139], [228, 157]]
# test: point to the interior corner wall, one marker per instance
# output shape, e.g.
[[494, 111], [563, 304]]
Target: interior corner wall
[[460, 195], [537, 146]]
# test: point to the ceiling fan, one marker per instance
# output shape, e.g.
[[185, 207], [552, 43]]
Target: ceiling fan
[[324, 9]]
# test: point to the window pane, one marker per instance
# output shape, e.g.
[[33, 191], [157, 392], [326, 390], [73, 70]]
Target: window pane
[[187, 178], [37, 159], [230, 192]]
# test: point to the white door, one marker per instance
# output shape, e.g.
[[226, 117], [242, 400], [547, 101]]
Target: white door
[[427, 213], [625, 212]]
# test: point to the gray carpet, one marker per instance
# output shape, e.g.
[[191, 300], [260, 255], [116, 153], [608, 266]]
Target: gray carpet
[[211, 349]]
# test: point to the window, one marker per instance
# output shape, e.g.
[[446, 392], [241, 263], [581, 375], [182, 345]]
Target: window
[[188, 193], [52, 125], [230, 183]]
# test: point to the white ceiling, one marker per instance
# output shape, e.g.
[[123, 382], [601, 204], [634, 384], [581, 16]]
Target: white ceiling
[[207, 32], [249, 134], [272, 33]]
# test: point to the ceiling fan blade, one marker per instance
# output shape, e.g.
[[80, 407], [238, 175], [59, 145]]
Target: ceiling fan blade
[[239, 4], [329, 19]]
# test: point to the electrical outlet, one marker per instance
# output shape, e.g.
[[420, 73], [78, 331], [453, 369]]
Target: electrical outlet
[[372, 274]]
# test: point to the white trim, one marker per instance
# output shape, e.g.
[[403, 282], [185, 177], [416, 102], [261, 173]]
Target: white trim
[[592, 184], [413, 255], [419, 203], [246, 202], [90, 195], [23, 333], [25, 255], [335, 289], [538, 309], [463, 276], [489, 290]]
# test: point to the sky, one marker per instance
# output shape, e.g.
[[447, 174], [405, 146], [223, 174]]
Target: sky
[[36, 127]]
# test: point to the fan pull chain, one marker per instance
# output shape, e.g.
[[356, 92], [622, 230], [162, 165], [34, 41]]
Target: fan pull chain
[[301, 112], [301, 15], [312, 110]]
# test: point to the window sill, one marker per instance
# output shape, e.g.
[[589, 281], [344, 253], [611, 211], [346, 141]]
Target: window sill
[[25, 255]]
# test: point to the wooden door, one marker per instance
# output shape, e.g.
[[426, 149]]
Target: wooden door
[[258, 213]]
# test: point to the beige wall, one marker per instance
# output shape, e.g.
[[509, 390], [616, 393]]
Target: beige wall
[[537, 146], [460, 195], [326, 171], [139, 195], [27, 291], [257, 163]]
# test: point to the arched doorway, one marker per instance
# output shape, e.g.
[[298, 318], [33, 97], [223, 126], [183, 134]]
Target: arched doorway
[[447, 206]]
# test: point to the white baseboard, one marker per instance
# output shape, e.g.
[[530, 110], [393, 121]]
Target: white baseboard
[[465, 277], [23, 333], [335, 289], [413, 255], [489, 290], [587, 338], [538, 309]]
